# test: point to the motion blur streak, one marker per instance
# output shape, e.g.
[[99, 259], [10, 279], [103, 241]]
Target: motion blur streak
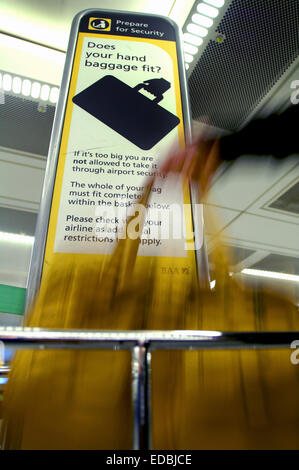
[[200, 400]]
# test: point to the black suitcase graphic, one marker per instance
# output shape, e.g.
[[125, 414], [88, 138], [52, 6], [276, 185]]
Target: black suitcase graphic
[[134, 116]]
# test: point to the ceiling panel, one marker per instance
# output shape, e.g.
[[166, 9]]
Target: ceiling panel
[[246, 180], [26, 125], [279, 263], [15, 259], [260, 42], [216, 218], [20, 222], [262, 207], [7, 319], [267, 234], [21, 180], [237, 254], [288, 201]]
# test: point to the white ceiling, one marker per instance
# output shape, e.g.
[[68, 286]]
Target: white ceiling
[[239, 200], [49, 21]]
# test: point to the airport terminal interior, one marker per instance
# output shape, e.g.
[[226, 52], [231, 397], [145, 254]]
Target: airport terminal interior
[[241, 63]]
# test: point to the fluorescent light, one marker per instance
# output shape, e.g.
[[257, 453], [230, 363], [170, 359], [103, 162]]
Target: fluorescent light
[[16, 85], [26, 87], [207, 10], [188, 58], [7, 82], [35, 90], [202, 20], [54, 94], [190, 49], [270, 274], [195, 40], [197, 30], [14, 237], [45, 91], [215, 3], [193, 333]]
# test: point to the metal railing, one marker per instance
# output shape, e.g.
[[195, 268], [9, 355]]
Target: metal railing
[[141, 343]]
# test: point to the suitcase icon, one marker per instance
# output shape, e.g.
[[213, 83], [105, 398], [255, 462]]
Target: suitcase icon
[[129, 113]]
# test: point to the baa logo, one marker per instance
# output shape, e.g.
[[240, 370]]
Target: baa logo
[[99, 24]]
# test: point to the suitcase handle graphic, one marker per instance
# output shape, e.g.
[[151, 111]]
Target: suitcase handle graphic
[[155, 86]]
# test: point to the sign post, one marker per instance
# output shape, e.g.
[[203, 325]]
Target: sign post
[[123, 107]]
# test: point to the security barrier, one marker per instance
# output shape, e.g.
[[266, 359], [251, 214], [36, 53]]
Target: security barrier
[[141, 343]]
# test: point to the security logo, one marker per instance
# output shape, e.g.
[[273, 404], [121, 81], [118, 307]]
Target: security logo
[[100, 24]]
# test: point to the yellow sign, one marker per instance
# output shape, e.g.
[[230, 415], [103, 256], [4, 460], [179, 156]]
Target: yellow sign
[[123, 115]]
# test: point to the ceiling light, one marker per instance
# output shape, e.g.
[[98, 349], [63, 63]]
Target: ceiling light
[[26, 87], [213, 284], [202, 20], [190, 49], [197, 30], [54, 94], [16, 85], [188, 58], [15, 237], [35, 90], [187, 66], [270, 274], [195, 40], [215, 3], [194, 333], [23, 85], [207, 10], [45, 91], [7, 82]]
